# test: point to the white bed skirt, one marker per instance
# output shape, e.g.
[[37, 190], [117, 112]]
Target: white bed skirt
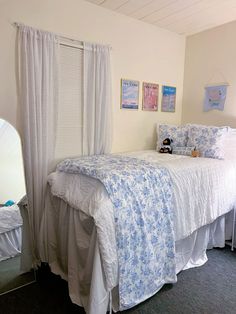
[[74, 254], [10, 243]]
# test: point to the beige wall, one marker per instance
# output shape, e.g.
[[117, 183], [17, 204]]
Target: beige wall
[[139, 51], [210, 59]]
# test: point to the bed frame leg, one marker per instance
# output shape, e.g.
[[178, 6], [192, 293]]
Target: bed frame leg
[[233, 230]]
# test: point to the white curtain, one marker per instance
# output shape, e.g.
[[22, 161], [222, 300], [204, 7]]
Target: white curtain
[[97, 100], [38, 101]]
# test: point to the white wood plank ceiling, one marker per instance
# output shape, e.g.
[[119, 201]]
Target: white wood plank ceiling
[[185, 17]]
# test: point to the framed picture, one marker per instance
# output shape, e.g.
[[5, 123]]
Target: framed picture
[[150, 96], [129, 94], [168, 98]]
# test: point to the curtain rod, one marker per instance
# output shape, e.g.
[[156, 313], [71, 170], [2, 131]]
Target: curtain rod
[[78, 43], [70, 46]]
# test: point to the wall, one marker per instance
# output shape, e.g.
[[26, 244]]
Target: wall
[[139, 51], [210, 58]]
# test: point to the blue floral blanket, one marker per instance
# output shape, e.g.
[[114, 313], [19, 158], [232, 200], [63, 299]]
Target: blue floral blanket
[[141, 193]]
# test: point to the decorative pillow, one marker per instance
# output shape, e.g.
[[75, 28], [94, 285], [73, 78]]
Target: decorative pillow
[[208, 140], [179, 135], [229, 144], [187, 151]]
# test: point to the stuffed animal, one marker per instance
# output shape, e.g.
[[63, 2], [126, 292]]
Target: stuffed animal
[[166, 146]]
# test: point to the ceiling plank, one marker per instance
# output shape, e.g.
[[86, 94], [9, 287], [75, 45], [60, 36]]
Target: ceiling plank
[[177, 6], [149, 8], [221, 11], [96, 1], [179, 16], [114, 4], [186, 12], [132, 6]]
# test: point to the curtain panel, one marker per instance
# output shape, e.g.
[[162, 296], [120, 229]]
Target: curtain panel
[[97, 100], [38, 77], [38, 103]]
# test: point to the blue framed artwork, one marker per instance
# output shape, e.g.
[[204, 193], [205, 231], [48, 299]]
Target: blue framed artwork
[[129, 94], [168, 98]]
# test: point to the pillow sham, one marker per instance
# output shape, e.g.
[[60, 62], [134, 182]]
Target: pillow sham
[[208, 140], [178, 134]]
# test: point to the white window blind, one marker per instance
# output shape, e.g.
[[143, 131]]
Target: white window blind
[[69, 128]]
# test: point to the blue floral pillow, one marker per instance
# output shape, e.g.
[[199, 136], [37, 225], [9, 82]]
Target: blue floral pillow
[[178, 134], [208, 140]]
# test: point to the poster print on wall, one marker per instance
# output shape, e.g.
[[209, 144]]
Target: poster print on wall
[[150, 96], [215, 97], [168, 98], [129, 94]]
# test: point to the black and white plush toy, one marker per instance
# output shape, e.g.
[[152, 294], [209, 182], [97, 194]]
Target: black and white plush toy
[[166, 146]]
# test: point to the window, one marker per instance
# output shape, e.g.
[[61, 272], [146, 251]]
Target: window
[[69, 127]]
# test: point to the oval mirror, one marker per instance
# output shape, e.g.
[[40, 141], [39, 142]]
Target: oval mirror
[[13, 215]]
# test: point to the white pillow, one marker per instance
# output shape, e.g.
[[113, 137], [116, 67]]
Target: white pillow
[[229, 144], [208, 140], [178, 134]]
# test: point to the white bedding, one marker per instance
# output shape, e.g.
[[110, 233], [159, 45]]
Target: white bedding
[[10, 243], [10, 218], [204, 189], [10, 231]]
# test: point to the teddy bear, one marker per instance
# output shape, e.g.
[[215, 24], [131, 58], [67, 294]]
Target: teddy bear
[[166, 146]]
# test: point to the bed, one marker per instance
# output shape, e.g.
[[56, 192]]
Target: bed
[[10, 231], [81, 228]]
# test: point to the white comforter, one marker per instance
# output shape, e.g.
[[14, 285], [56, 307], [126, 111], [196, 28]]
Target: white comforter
[[10, 218], [204, 189]]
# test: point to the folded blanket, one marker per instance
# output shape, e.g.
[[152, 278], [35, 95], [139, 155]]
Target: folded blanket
[[141, 193]]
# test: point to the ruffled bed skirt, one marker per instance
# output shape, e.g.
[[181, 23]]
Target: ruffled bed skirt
[[74, 254], [10, 243]]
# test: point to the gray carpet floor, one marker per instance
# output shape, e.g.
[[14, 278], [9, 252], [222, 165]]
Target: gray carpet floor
[[210, 289]]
